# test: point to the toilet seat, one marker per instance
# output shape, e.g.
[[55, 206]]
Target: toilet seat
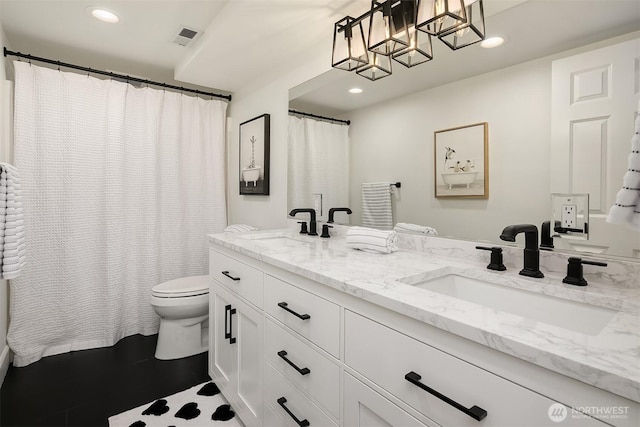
[[183, 287]]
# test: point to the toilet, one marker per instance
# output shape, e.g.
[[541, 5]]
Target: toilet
[[183, 307]]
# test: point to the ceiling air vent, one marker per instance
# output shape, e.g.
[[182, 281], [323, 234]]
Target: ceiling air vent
[[186, 36]]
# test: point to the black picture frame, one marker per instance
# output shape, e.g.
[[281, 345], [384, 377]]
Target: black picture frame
[[253, 156]]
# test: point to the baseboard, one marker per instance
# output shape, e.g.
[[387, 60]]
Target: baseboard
[[5, 360]]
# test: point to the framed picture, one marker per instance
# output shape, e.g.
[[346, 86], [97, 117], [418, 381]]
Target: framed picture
[[462, 161], [254, 156]]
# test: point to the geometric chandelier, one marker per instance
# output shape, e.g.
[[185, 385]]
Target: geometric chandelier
[[401, 30]]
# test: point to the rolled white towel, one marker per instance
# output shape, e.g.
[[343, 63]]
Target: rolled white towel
[[372, 240], [423, 229], [239, 228]]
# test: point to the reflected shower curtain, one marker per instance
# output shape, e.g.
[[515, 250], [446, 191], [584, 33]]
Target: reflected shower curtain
[[120, 187], [318, 164]]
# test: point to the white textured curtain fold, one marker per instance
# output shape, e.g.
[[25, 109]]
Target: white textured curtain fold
[[318, 163], [120, 187]]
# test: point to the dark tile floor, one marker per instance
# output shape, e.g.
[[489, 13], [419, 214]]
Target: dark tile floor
[[84, 388]]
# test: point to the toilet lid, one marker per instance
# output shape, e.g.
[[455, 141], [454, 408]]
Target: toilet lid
[[183, 287]]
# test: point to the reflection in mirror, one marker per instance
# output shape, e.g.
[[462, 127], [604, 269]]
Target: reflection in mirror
[[537, 145]]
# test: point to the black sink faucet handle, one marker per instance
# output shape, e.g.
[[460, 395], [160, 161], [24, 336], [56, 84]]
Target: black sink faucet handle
[[325, 230], [303, 227], [496, 258], [574, 271]]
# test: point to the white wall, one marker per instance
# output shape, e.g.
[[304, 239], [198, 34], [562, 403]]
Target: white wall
[[272, 98], [394, 142], [4, 297]]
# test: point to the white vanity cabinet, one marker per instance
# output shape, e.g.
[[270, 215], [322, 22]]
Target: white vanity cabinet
[[237, 338], [310, 355]]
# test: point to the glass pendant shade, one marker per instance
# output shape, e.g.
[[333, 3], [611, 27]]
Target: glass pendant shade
[[419, 50], [388, 27], [470, 32], [379, 66], [437, 17], [349, 48]]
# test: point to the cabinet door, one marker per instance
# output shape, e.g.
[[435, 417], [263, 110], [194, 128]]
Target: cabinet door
[[363, 407], [221, 351]]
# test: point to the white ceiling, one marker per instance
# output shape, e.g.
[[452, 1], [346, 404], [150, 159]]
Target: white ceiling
[[245, 40]]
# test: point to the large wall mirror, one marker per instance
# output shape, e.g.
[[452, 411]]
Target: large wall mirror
[[559, 117]]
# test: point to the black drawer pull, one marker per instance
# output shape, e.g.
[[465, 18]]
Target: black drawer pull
[[303, 371], [228, 327], [475, 412], [301, 423], [226, 273], [284, 305]]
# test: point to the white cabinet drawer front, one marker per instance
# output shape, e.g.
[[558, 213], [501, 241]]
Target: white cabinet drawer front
[[290, 404], [306, 368], [386, 357], [241, 278], [364, 407], [309, 315]]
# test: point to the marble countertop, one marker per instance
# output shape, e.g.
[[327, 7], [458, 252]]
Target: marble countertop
[[607, 357]]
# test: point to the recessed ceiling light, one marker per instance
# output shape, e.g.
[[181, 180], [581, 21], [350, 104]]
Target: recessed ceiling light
[[492, 42], [355, 90], [103, 15]]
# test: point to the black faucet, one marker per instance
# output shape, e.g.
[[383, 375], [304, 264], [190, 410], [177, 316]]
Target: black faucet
[[531, 251], [312, 221], [332, 211]]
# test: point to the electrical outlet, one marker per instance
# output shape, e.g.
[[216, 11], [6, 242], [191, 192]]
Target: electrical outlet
[[317, 203], [568, 216]]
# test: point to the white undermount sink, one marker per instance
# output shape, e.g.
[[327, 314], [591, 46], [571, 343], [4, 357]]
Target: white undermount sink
[[277, 237], [571, 315]]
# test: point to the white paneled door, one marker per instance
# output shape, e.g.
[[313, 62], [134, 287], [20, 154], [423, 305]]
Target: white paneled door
[[594, 104]]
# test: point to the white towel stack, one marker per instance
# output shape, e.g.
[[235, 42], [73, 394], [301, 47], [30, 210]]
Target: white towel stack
[[239, 228], [626, 209], [415, 228], [372, 240], [376, 205], [12, 244]]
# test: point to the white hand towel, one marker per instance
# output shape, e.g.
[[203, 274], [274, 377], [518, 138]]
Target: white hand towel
[[626, 209], [415, 228], [12, 236], [372, 240], [239, 228], [376, 205]]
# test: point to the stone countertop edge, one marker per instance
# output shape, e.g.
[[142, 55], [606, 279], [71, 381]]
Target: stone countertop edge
[[609, 360]]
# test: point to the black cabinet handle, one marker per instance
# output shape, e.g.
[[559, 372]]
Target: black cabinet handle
[[226, 273], [301, 423], [228, 312], [284, 306], [475, 412], [303, 371]]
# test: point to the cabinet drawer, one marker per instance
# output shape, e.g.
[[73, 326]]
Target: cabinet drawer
[[364, 407], [313, 373], [281, 396], [240, 278], [397, 355], [313, 317]]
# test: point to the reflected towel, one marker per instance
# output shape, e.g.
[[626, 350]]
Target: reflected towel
[[626, 209], [239, 228], [376, 205], [415, 228], [12, 236], [372, 240]]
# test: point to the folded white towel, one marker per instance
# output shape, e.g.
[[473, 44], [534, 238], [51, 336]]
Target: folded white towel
[[415, 228], [372, 240], [239, 228]]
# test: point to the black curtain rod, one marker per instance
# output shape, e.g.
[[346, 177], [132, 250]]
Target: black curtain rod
[[300, 113], [114, 75]]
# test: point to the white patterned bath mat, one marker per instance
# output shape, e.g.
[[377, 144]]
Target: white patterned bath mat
[[199, 406]]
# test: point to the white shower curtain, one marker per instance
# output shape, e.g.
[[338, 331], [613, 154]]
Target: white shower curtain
[[318, 164], [120, 186]]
